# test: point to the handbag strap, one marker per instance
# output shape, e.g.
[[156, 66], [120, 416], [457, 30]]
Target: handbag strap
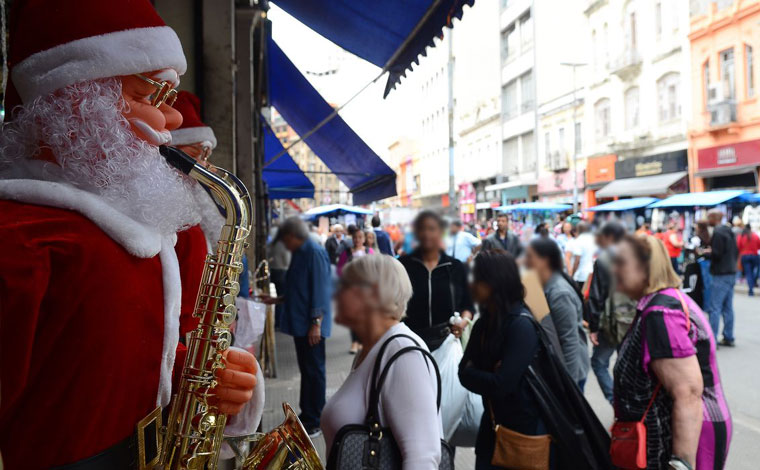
[[379, 358], [373, 410], [685, 308]]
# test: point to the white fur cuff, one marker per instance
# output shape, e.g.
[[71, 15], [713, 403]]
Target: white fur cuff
[[108, 55], [193, 135]]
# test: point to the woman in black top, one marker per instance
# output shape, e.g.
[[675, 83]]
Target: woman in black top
[[439, 284], [502, 345]]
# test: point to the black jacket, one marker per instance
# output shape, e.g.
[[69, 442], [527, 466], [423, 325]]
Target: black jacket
[[724, 251], [511, 243], [437, 294], [511, 340]]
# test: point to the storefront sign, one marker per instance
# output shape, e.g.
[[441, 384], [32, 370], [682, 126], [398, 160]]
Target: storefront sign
[[560, 182], [600, 169], [738, 154], [668, 162]]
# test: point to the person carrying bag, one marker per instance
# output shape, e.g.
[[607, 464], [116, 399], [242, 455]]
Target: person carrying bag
[[370, 446]]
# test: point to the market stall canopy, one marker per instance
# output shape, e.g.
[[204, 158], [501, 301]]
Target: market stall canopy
[[751, 198], [283, 177], [706, 199], [367, 176], [535, 206], [391, 34], [624, 204], [641, 186], [334, 210]]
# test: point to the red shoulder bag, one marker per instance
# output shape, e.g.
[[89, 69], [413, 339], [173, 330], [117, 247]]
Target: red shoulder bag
[[628, 447]]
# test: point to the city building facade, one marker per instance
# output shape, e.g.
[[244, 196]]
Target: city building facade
[[636, 98], [724, 135], [328, 189]]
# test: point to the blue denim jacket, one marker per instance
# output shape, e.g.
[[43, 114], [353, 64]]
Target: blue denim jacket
[[308, 291]]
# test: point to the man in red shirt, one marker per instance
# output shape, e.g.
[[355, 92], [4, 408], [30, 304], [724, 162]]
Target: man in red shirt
[[673, 241], [748, 243], [90, 284]]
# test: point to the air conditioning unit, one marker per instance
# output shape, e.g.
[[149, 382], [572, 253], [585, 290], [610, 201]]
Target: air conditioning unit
[[714, 93], [722, 113]]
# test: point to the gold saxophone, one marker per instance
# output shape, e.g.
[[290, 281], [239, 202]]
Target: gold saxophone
[[193, 435]]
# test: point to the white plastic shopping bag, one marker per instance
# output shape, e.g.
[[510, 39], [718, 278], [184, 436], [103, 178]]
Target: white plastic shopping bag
[[453, 395], [250, 322]]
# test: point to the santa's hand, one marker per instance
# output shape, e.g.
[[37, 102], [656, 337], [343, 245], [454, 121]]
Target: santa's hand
[[236, 381]]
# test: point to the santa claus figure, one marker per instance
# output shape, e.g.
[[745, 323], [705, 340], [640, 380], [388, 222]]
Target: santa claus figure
[[90, 284]]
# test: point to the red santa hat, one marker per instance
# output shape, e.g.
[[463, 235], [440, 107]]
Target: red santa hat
[[57, 43], [192, 130]]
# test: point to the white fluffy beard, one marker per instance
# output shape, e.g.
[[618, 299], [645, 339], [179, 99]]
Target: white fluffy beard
[[96, 150]]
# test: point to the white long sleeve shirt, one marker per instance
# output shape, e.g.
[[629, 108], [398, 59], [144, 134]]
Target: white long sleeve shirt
[[407, 402]]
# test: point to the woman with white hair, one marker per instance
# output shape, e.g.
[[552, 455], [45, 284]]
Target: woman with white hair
[[371, 299]]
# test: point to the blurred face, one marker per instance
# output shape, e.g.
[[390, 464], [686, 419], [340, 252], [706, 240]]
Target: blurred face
[[567, 228], [354, 303], [358, 238], [454, 229], [371, 239], [714, 219], [603, 241], [535, 262], [502, 223], [630, 274], [480, 291], [429, 234], [149, 122], [291, 242]]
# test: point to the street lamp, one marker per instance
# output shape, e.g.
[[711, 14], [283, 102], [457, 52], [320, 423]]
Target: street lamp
[[574, 65]]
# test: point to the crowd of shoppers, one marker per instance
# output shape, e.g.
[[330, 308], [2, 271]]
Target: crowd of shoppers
[[621, 292]]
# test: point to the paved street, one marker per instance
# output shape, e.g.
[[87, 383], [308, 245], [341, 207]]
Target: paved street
[[739, 367]]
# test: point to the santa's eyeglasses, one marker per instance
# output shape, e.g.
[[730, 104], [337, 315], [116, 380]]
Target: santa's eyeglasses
[[165, 92]]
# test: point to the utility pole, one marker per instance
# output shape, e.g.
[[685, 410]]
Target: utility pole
[[453, 193], [574, 65]]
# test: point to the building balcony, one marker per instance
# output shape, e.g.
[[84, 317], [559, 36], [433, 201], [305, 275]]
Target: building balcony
[[627, 65], [557, 161], [722, 114]]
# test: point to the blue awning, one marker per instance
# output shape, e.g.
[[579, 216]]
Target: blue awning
[[624, 204], [335, 143], [535, 207], [707, 199], [334, 210], [391, 34], [284, 178]]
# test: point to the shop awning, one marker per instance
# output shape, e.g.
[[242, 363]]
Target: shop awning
[[624, 204], [641, 186], [335, 143], [706, 199], [334, 210], [284, 178], [511, 184], [535, 207], [728, 171], [391, 34]]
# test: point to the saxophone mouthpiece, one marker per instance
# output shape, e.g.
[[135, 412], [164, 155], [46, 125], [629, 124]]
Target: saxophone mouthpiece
[[178, 159]]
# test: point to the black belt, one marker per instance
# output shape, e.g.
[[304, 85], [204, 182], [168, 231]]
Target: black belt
[[138, 451]]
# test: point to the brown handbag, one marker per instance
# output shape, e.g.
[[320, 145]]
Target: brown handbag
[[515, 451]]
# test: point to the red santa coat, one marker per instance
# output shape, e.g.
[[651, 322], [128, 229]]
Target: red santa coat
[[89, 323]]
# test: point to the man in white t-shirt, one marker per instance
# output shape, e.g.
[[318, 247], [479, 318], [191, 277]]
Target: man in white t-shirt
[[583, 250], [461, 244]]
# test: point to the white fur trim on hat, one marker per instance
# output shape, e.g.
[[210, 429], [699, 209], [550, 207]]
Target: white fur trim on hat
[[193, 135], [108, 55]]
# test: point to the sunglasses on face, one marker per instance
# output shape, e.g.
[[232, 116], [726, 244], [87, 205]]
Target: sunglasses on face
[[165, 92]]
